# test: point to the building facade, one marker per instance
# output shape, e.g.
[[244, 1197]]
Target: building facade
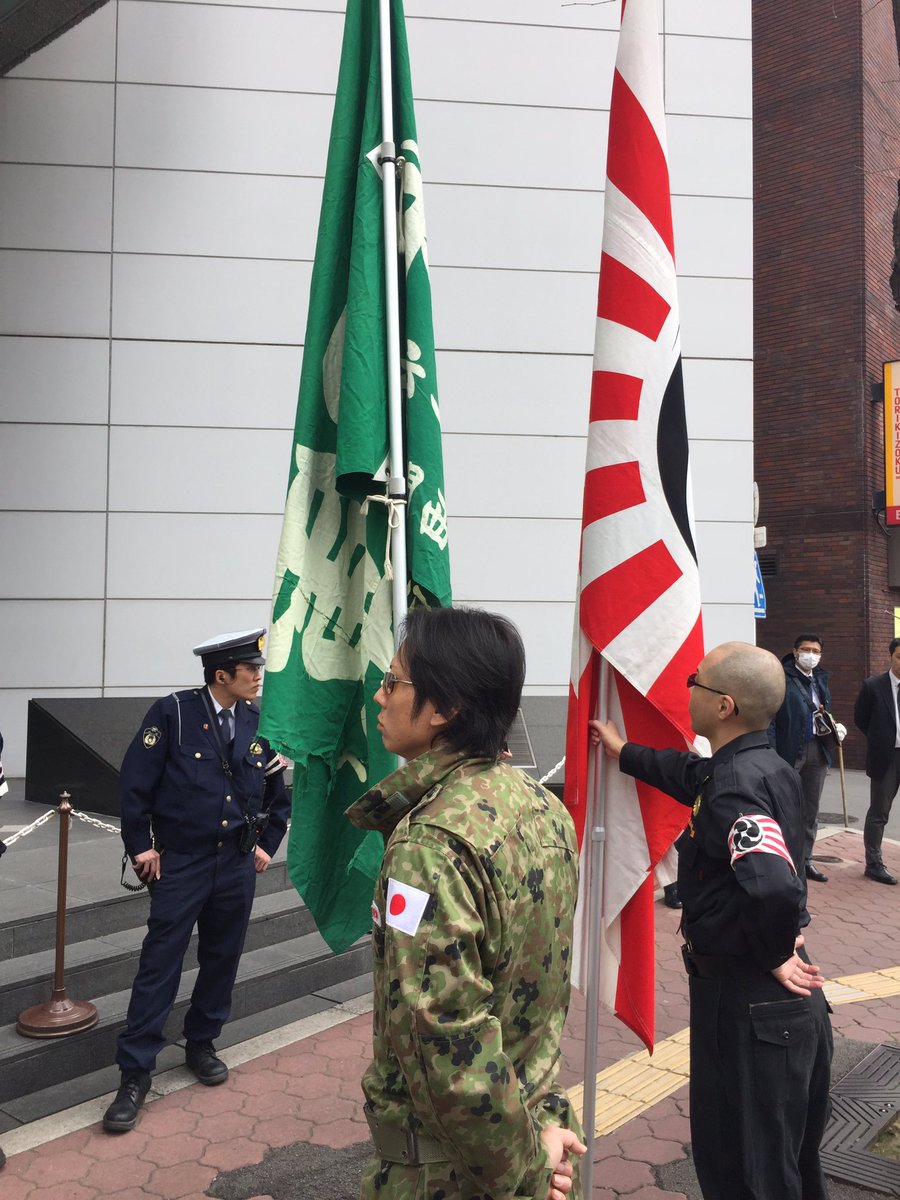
[[160, 177], [826, 155]]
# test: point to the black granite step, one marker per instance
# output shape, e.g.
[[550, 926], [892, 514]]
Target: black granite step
[[267, 978], [108, 962]]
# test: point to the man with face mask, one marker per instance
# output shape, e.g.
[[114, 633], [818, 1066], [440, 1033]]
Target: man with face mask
[[794, 733], [875, 713]]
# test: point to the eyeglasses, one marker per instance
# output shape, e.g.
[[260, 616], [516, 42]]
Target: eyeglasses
[[693, 681], [388, 680], [253, 668]]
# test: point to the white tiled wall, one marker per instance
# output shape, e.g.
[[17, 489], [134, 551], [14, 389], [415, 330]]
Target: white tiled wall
[[160, 176]]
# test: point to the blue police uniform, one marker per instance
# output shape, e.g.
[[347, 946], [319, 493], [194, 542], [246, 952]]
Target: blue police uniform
[[177, 797]]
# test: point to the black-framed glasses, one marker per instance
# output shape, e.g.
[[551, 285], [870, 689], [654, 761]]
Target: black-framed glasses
[[693, 681], [388, 680]]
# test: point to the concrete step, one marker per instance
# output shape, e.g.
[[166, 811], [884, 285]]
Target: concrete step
[[107, 963], [268, 977], [33, 928], [55, 1098]]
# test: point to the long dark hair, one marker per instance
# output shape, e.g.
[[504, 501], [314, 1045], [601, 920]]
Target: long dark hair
[[470, 664]]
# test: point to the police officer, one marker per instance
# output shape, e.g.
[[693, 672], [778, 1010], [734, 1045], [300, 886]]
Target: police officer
[[203, 810], [760, 1034], [472, 931]]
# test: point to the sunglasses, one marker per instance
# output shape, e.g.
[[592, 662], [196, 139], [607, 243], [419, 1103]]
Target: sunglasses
[[389, 679], [693, 681]]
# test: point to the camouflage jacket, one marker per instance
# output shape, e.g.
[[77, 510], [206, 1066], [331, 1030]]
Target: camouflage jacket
[[472, 933]]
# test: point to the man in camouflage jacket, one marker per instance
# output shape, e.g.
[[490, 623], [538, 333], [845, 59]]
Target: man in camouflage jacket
[[472, 932]]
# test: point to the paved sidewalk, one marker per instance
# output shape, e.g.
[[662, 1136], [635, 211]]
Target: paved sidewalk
[[289, 1123]]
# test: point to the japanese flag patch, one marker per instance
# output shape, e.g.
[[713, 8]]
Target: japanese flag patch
[[405, 906], [757, 834], [376, 915]]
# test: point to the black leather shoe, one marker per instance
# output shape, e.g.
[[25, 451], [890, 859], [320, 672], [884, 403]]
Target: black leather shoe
[[122, 1114], [670, 896], [880, 873], [815, 874], [200, 1057]]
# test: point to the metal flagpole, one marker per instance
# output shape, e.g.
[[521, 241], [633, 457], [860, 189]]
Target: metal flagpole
[[596, 824], [397, 467]]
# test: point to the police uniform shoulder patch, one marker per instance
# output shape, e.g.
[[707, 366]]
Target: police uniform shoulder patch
[[151, 736], [255, 748]]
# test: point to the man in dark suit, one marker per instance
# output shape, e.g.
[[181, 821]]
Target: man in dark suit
[[876, 715], [203, 811]]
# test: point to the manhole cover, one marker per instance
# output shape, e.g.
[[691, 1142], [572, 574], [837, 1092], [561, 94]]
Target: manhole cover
[[862, 1104]]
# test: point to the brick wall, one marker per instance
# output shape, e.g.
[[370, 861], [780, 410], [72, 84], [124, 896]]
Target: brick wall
[[826, 113]]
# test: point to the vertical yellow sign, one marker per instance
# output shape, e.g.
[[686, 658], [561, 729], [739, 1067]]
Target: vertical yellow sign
[[892, 443]]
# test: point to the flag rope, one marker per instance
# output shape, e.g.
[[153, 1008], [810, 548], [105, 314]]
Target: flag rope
[[394, 505]]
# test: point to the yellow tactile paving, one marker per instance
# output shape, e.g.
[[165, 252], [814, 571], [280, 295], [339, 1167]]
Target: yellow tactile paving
[[630, 1087]]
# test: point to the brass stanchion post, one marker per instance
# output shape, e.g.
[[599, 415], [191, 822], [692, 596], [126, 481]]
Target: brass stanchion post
[[60, 1016]]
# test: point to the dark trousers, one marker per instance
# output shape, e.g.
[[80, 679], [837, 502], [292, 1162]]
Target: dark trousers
[[215, 893], [881, 796], [812, 768], [760, 1070]]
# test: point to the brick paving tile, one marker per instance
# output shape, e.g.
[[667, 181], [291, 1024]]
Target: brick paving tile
[[623, 1176], [314, 1085], [228, 1156], [176, 1148], [339, 1134], [324, 1109], [132, 1193], [344, 1068], [602, 1193], [105, 1146], [172, 1183], [65, 1191], [52, 1168], [221, 1126], [655, 1193], [258, 1084], [213, 1101], [276, 1104], [283, 1131], [652, 1150], [157, 1121], [296, 1060], [14, 1187], [673, 1129], [117, 1175]]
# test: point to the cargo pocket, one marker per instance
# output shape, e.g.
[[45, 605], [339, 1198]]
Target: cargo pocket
[[783, 1035]]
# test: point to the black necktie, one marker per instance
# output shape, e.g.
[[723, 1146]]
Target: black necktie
[[225, 722]]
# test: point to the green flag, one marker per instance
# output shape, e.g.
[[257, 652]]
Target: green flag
[[331, 637]]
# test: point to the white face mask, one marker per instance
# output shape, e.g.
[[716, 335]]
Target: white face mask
[[807, 660]]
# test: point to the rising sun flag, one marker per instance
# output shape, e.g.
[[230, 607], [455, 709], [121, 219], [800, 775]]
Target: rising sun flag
[[332, 617], [638, 603]]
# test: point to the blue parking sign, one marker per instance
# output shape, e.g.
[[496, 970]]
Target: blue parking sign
[[759, 592]]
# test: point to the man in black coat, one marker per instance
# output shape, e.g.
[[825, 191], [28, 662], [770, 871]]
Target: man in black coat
[[794, 733], [203, 810], [875, 713], [760, 1035]]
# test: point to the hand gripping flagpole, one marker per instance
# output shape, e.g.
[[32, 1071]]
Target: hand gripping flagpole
[[397, 481], [596, 830]]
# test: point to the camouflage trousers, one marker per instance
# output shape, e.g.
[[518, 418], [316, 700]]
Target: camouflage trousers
[[384, 1180]]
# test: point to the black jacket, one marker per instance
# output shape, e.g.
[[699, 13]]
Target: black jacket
[[874, 713], [755, 905], [787, 733]]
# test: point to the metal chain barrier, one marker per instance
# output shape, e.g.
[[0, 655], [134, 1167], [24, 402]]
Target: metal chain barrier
[[48, 816], [97, 824], [552, 771]]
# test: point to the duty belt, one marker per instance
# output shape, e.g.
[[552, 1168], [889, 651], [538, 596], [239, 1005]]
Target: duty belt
[[403, 1145]]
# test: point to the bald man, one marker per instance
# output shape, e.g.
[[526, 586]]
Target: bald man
[[760, 1034]]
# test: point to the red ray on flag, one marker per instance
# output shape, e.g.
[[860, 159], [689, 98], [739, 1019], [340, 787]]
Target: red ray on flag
[[638, 603]]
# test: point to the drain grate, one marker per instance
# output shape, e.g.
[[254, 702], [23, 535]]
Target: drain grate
[[827, 818], [864, 1101]]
